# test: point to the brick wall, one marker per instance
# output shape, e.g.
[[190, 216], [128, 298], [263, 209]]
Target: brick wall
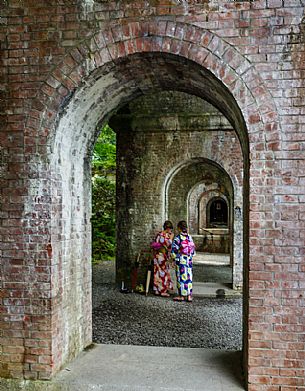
[[66, 66]]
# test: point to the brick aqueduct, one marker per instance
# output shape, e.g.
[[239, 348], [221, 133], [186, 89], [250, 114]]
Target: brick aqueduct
[[67, 66]]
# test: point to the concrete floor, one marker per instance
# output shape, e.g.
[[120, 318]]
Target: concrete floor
[[212, 272], [210, 289], [212, 259], [142, 368]]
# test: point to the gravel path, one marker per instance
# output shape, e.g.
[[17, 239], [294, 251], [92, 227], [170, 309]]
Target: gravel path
[[134, 319]]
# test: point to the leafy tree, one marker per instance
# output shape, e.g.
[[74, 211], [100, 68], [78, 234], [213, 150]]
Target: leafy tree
[[103, 195], [104, 154]]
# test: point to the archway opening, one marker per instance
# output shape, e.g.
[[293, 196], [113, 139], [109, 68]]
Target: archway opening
[[219, 249], [217, 212], [107, 90], [144, 126]]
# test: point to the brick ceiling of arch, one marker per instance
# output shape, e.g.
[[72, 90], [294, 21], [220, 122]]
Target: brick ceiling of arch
[[112, 86], [169, 111], [159, 71]]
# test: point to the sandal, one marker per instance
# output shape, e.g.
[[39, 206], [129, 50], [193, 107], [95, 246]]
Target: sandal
[[189, 299], [179, 298], [165, 294]]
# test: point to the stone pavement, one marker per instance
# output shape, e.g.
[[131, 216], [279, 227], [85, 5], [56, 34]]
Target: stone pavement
[[210, 263], [212, 259], [210, 289], [143, 368]]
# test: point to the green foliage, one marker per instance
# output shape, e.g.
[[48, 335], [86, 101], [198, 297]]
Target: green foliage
[[104, 155], [103, 196]]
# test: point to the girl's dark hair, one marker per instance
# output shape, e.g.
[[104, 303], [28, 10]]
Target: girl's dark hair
[[182, 225], [168, 224]]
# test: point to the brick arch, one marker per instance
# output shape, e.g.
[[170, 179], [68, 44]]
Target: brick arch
[[177, 171], [198, 200], [246, 103], [234, 188], [180, 39]]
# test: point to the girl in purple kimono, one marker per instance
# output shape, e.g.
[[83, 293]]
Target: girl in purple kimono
[[162, 250], [183, 250]]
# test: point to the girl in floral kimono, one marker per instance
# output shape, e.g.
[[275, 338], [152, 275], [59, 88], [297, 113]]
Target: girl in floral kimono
[[183, 250], [162, 250]]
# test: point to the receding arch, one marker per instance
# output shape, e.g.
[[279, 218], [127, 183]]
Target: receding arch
[[208, 177], [204, 202], [213, 166]]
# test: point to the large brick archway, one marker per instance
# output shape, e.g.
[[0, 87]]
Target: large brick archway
[[122, 63], [94, 79]]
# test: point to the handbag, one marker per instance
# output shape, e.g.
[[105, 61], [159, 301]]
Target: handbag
[[156, 245]]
